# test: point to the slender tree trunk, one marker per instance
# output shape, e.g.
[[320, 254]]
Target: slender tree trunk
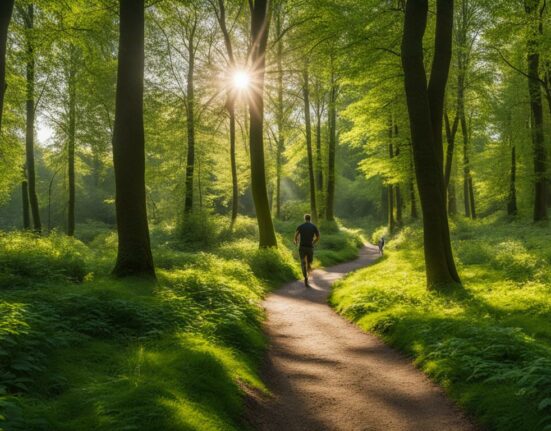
[[319, 163], [260, 22], [233, 162], [512, 198], [280, 146], [534, 12], [230, 106], [468, 193], [190, 111], [308, 126], [397, 192], [332, 113], [413, 201], [390, 187], [451, 131], [29, 133], [452, 198], [71, 142], [6, 10], [134, 250], [425, 108], [25, 203]]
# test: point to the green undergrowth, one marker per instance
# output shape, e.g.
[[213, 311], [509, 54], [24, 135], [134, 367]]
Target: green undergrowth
[[82, 351], [489, 346]]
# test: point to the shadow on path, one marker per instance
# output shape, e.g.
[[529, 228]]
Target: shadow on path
[[326, 374]]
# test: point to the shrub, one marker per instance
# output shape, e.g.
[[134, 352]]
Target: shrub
[[26, 258]]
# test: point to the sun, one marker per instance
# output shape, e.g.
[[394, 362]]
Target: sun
[[241, 80]]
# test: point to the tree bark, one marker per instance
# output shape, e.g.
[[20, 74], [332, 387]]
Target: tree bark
[[134, 250], [260, 22], [29, 132], [512, 209], [425, 108], [6, 10], [308, 127], [390, 187], [190, 114], [71, 141], [532, 8], [332, 148], [280, 120], [25, 203], [230, 106], [319, 158]]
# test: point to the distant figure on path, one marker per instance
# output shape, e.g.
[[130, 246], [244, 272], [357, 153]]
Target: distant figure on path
[[381, 245], [309, 235]]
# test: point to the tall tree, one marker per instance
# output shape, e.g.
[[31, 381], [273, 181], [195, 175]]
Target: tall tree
[[71, 137], [534, 11], [6, 10], [332, 147], [134, 249], [220, 12], [28, 18], [308, 131], [260, 22], [190, 113], [425, 103]]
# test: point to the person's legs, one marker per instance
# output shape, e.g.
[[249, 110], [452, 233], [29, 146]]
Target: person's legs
[[310, 259], [302, 252]]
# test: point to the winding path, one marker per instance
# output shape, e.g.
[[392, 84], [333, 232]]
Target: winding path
[[326, 374]]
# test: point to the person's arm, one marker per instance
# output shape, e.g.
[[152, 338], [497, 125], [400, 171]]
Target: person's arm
[[295, 240], [317, 237]]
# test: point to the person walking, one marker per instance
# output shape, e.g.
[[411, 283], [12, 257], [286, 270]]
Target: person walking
[[306, 235]]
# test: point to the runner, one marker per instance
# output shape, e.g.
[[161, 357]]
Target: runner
[[309, 236]]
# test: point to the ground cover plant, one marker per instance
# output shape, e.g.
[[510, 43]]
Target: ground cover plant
[[80, 350], [489, 346]]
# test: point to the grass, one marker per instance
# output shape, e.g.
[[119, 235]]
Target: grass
[[82, 351], [489, 346]]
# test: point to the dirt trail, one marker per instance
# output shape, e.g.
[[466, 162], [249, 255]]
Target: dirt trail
[[326, 374]]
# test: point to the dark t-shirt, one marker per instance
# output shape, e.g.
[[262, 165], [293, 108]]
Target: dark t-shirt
[[307, 232]]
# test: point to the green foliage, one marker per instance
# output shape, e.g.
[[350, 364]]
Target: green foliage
[[107, 354], [488, 346], [26, 259]]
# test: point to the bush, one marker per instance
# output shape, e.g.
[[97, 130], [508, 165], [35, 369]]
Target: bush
[[27, 258]]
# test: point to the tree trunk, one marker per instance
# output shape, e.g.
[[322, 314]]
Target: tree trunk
[[391, 221], [397, 191], [308, 126], [332, 147], [413, 200], [25, 203], [533, 11], [259, 35], [134, 250], [319, 163], [71, 142], [230, 106], [279, 110], [468, 192], [6, 10], [452, 198], [29, 132], [233, 162], [190, 111], [425, 108], [512, 198], [451, 131]]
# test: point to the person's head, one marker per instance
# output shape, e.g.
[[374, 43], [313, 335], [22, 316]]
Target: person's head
[[307, 217]]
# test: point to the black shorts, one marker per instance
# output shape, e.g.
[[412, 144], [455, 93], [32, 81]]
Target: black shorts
[[306, 251]]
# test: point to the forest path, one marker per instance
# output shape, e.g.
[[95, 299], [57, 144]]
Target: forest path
[[326, 374]]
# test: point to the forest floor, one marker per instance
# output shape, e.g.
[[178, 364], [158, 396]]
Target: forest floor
[[324, 373]]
